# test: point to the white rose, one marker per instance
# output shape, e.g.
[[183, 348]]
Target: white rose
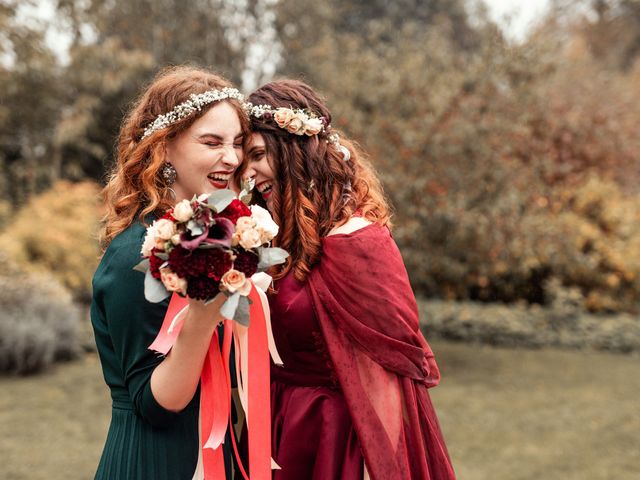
[[245, 223], [149, 241], [250, 238], [175, 239], [264, 222], [183, 212], [313, 126], [165, 229]]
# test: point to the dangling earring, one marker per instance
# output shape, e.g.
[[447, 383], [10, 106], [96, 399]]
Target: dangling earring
[[169, 174]]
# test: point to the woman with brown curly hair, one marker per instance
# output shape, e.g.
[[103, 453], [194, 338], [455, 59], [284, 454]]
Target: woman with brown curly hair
[[351, 400], [182, 138]]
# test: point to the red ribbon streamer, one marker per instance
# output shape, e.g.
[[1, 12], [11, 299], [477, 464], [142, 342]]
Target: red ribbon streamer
[[258, 392], [215, 389]]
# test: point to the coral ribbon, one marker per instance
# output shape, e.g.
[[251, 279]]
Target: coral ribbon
[[253, 346]]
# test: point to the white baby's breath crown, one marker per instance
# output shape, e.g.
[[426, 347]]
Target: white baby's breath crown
[[195, 104]]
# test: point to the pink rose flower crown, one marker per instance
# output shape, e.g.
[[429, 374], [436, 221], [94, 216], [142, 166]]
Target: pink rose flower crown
[[212, 243]]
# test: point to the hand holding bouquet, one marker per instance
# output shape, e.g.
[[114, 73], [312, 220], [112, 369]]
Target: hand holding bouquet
[[212, 243]]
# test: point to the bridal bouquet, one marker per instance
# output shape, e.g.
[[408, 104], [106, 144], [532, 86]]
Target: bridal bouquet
[[212, 243]]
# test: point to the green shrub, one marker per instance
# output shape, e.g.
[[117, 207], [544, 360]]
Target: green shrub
[[56, 232], [563, 323], [38, 321]]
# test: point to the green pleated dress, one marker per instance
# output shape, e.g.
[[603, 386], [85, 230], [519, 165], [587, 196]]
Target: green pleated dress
[[145, 441]]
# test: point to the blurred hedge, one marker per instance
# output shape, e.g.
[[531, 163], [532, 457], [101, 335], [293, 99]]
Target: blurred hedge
[[56, 232], [39, 322], [530, 326]]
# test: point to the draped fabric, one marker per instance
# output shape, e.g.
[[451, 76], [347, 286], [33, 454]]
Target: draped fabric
[[368, 315]]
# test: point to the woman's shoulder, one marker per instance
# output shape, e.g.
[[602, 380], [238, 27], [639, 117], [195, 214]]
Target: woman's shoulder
[[362, 244], [125, 248], [133, 234], [354, 224], [357, 228]]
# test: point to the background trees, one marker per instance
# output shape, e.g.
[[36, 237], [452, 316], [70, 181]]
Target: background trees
[[513, 167]]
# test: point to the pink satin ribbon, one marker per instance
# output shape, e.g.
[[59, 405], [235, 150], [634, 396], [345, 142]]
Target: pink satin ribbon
[[253, 346]]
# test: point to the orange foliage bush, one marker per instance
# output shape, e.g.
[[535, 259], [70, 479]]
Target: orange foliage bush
[[56, 232]]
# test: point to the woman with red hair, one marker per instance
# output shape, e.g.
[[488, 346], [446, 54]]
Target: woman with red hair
[[182, 138], [351, 400]]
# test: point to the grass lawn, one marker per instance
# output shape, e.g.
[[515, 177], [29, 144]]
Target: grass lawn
[[506, 414]]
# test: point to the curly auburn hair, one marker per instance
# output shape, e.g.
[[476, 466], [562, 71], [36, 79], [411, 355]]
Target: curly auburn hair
[[135, 185], [315, 189]]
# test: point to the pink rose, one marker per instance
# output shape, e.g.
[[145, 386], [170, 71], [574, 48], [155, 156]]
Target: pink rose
[[172, 282], [296, 124], [283, 116], [235, 281]]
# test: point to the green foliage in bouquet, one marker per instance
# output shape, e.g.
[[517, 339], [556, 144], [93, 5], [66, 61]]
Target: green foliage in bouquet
[[56, 232], [38, 320]]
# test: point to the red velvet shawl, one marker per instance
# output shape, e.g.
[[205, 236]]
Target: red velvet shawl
[[368, 314]]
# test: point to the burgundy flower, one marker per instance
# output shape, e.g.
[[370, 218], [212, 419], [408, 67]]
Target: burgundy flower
[[220, 232], [217, 264], [246, 262], [154, 265], [190, 240], [202, 215], [186, 263], [202, 288]]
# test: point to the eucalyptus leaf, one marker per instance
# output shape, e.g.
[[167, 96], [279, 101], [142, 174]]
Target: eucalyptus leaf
[[195, 228], [143, 266], [270, 256], [154, 290], [220, 199], [242, 312], [229, 307], [162, 255]]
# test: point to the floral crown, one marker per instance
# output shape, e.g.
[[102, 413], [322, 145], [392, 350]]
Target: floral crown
[[297, 121], [189, 107]]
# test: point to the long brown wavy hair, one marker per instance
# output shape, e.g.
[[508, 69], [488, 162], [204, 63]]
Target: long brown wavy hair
[[315, 189], [135, 185]]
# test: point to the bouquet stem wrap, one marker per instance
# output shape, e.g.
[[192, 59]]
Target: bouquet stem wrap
[[252, 348]]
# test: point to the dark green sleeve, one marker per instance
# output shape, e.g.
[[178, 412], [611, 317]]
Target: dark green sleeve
[[133, 324]]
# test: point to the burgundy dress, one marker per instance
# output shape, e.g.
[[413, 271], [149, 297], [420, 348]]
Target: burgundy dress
[[313, 436], [356, 369]]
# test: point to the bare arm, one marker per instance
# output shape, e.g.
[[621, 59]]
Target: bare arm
[[175, 380]]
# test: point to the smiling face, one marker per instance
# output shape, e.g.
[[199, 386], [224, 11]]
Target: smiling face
[[259, 168], [207, 153]]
